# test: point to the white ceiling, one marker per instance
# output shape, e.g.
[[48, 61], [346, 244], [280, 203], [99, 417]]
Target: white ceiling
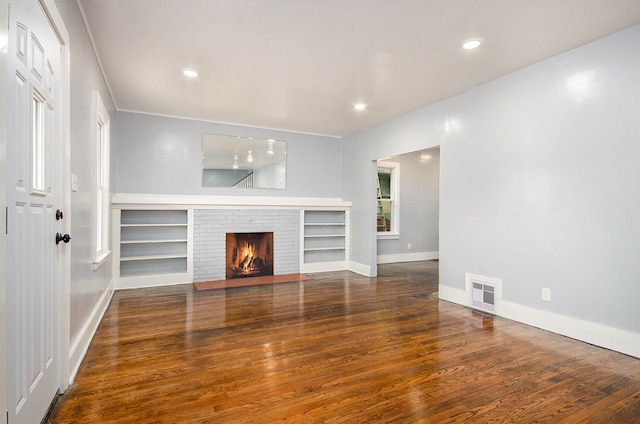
[[300, 65]]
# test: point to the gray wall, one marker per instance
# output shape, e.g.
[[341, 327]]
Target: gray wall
[[87, 285], [161, 155], [538, 187], [419, 183]]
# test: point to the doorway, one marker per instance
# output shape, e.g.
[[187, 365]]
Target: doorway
[[416, 225]]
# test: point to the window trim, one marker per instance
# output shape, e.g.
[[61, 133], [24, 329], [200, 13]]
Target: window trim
[[102, 141], [394, 232]]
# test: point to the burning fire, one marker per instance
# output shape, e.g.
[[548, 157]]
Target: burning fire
[[249, 254]]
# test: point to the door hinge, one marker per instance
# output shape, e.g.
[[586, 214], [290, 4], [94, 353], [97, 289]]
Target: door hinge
[[6, 224]]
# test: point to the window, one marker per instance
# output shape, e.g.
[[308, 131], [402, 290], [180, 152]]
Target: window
[[102, 245], [37, 144], [387, 204]]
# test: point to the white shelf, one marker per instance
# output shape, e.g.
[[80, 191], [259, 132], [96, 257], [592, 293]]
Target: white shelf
[[324, 239], [153, 242], [150, 257], [152, 225], [320, 249]]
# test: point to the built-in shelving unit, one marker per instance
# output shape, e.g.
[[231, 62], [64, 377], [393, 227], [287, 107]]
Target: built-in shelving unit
[[153, 246], [324, 235], [153, 235]]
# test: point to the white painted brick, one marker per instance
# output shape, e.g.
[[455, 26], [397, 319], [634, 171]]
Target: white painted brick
[[213, 224]]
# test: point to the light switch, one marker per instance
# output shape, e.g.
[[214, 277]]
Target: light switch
[[74, 182]]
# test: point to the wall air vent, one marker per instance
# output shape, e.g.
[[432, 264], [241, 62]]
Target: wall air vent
[[483, 292]]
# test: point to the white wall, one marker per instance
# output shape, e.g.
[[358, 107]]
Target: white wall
[[419, 184], [270, 176], [538, 183], [161, 155], [88, 288]]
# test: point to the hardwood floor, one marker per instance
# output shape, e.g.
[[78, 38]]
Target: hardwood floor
[[338, 348]]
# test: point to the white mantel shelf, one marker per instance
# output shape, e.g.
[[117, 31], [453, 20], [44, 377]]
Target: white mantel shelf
[[153, 201]]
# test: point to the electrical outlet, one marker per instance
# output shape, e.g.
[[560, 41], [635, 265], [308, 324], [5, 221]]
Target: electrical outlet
[[408, 246], [546, 294]]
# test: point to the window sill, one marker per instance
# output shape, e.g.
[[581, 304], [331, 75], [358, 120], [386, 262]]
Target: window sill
[[101, 259], [388, 236]]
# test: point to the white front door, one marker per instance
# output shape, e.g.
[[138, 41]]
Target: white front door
[[33, 197]]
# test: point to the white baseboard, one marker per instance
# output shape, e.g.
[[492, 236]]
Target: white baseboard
[[143, 281], [596, 334], [359, 268], [79, 347], [323, 267], [453, 295], [407, 257]]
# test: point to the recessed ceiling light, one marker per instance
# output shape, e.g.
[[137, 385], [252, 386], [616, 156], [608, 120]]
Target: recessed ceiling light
[[190, 73], [470, 44], [360, 106]]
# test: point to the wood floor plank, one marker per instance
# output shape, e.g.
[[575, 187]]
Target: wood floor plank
[[338, 348], [252, 281]]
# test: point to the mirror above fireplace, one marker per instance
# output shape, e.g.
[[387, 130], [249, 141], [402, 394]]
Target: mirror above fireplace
[[238, 162]]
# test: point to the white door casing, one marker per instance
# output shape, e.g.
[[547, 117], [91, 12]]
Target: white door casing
[[33, 187]]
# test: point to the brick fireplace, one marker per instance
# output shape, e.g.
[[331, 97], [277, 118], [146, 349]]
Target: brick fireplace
[[210, 238]]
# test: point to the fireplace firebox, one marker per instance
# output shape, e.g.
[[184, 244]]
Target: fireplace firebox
[[249, 255]]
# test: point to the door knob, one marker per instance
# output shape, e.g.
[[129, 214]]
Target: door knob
[[65, 238]]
